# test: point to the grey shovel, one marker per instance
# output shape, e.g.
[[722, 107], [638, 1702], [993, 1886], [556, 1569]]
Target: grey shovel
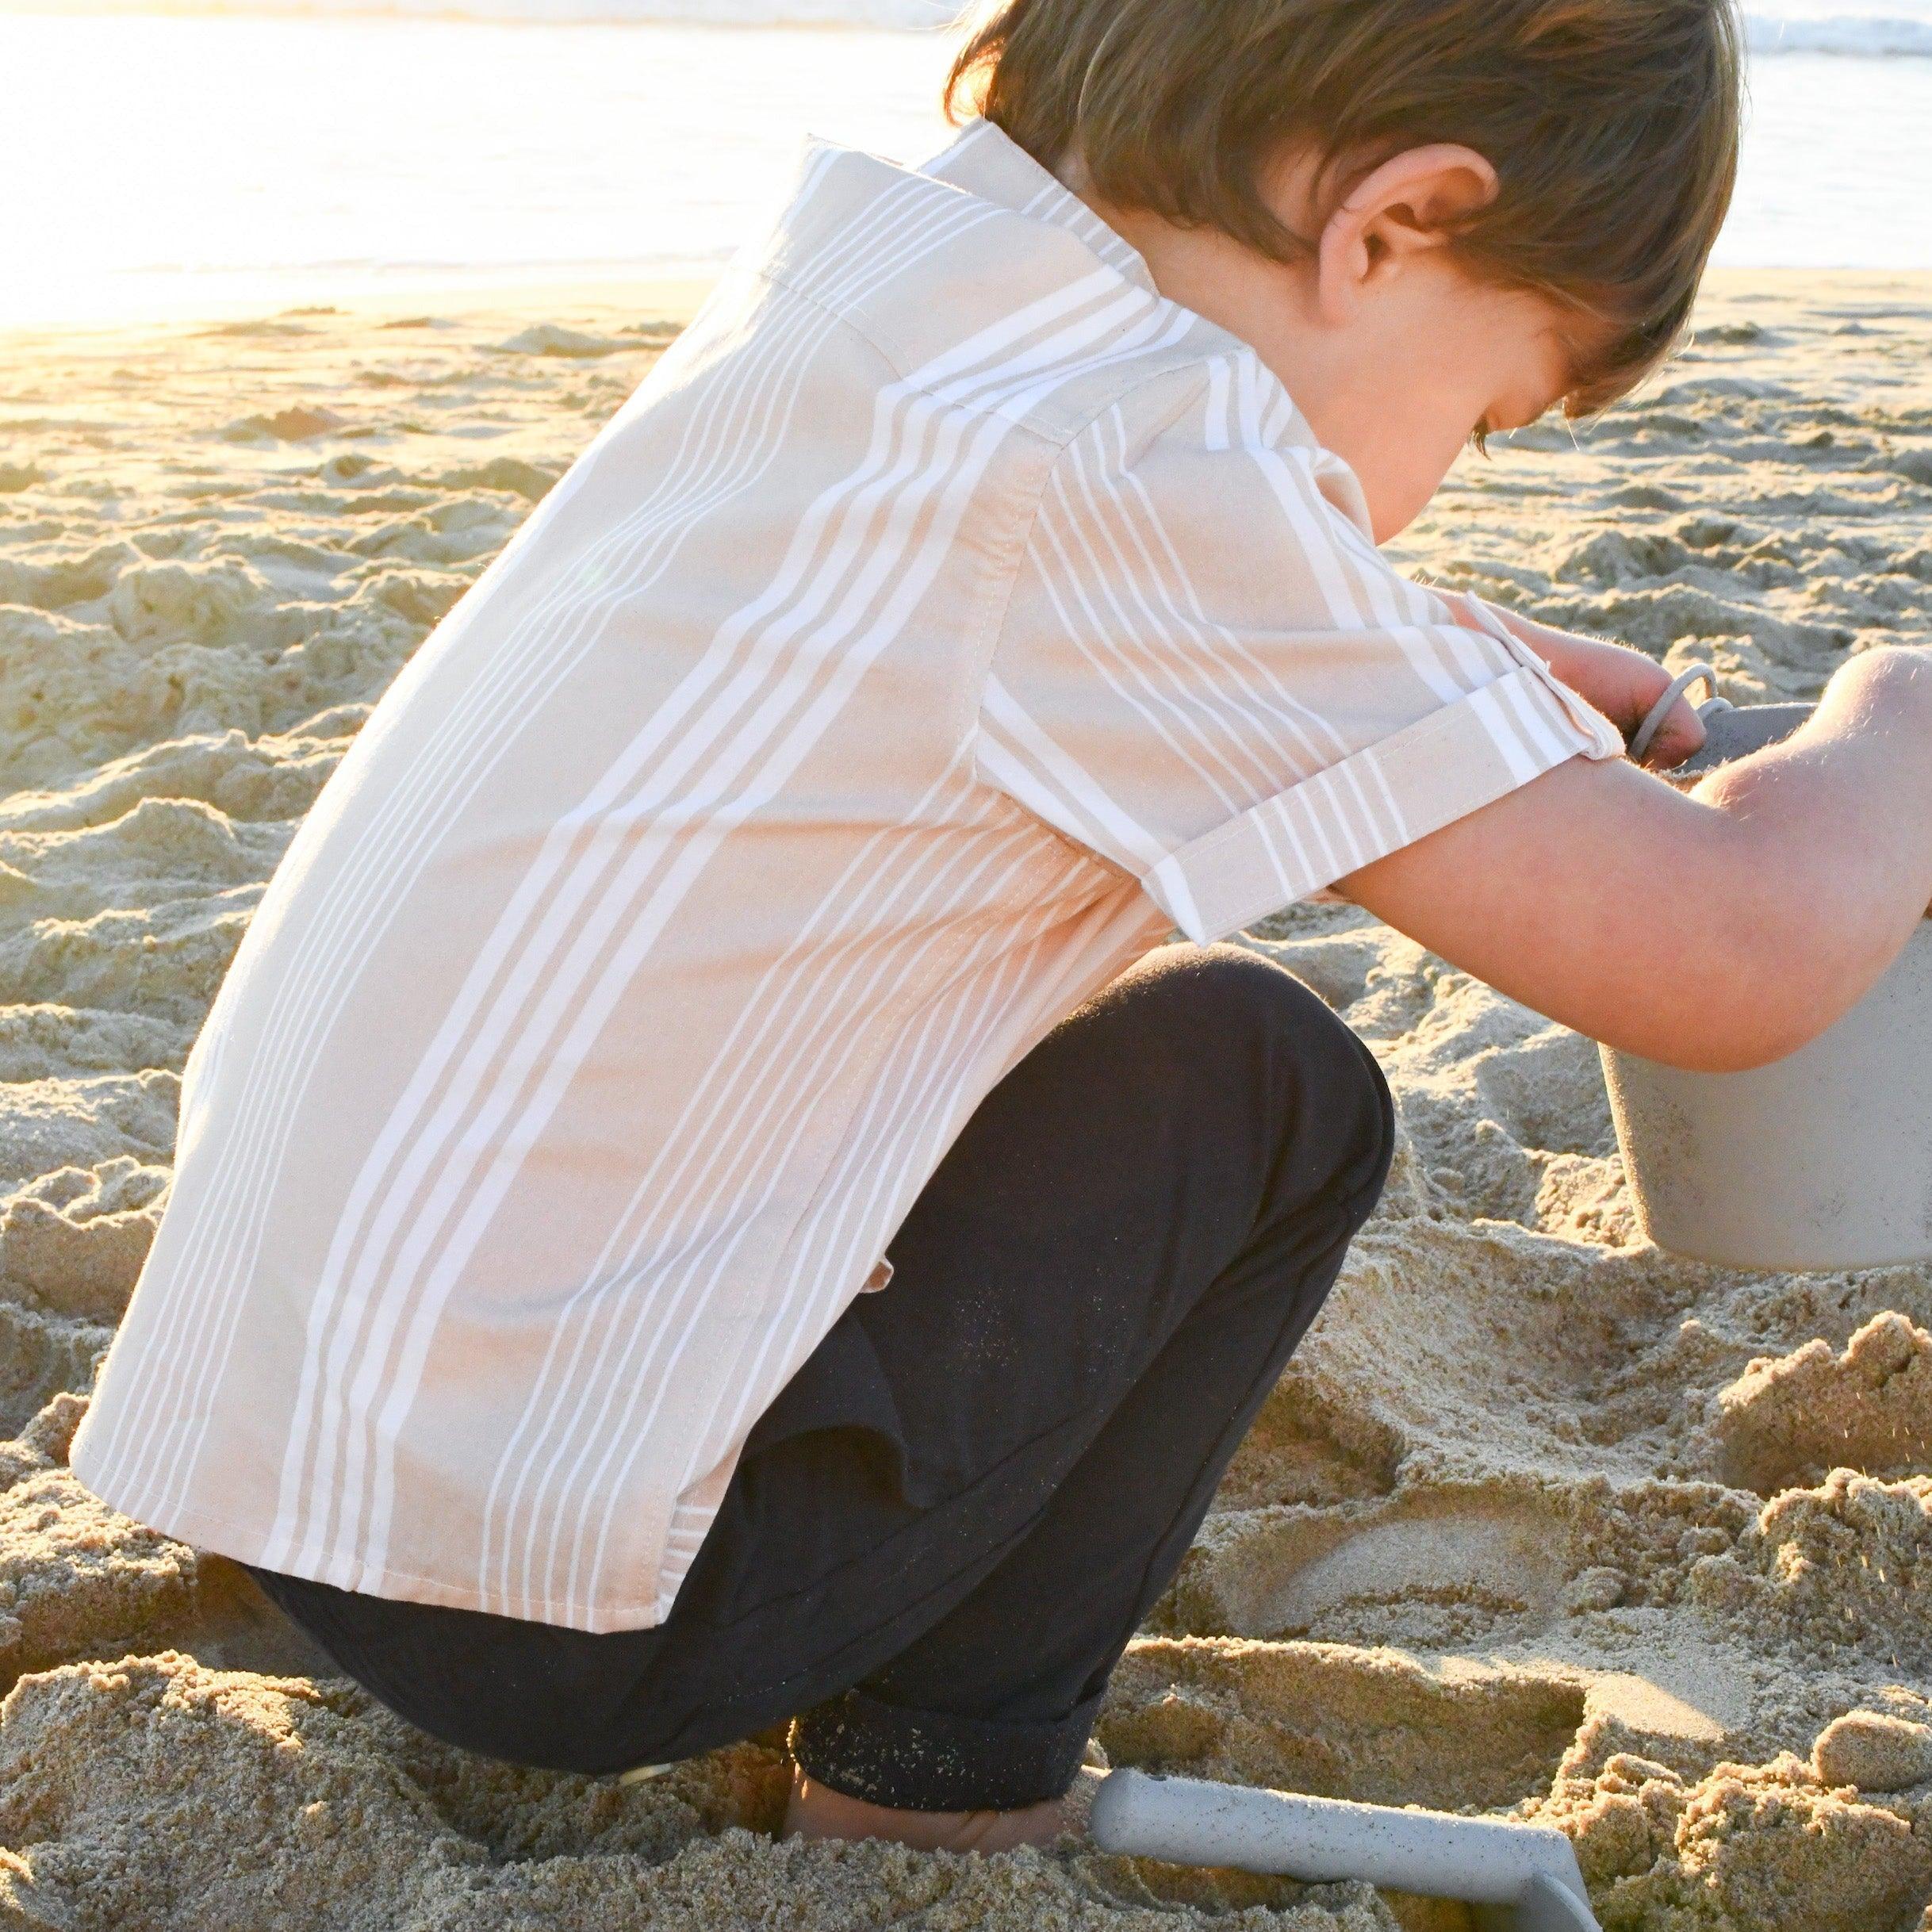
[[1519, 1878]]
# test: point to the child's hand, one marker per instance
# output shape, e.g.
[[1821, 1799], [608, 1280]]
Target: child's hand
[[1623, 683]]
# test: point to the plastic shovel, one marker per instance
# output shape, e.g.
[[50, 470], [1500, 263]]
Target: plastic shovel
[[1519, 1878]]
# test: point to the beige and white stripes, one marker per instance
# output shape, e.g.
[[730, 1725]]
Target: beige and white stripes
[[946, 618]]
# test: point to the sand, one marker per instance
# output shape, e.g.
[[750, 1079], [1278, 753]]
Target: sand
[[1541, 1521]]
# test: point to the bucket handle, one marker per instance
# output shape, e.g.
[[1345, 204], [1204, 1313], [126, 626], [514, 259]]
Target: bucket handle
[[1654, 718]]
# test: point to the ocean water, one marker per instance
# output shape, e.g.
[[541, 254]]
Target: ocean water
[[1851, 27], [291, 151]]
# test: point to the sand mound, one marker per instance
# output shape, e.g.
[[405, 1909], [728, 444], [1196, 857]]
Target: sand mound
[[1812, 1411], [1761, 1846], [1874, 1750], [1540, 1521]]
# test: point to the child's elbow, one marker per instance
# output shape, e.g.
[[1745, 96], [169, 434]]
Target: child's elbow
[[1771, 991], [1718, 1034], [1757, 1041]]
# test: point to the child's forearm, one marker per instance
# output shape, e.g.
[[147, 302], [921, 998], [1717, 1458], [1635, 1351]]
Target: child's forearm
[[1717, 929]]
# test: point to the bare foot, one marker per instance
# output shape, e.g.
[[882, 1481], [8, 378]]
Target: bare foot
[[815, 1811]]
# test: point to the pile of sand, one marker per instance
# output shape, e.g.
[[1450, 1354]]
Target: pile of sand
[[1540, 1521]]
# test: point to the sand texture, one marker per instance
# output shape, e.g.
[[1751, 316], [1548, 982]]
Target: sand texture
[[1541, 1521]]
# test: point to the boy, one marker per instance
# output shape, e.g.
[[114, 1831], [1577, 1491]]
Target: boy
[[703, 1198]]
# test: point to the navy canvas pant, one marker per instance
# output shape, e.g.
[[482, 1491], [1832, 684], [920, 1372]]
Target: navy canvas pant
[[940, 1535]]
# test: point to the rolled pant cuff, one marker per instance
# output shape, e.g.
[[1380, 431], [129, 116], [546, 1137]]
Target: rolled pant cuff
[[932, 1760]]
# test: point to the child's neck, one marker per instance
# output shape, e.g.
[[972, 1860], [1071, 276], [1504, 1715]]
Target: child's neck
[[1267, 304]]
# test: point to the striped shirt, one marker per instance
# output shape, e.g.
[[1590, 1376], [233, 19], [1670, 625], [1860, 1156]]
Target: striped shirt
[[946, 619]]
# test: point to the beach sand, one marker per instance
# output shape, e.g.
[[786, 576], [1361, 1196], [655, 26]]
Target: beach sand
[[1541, 1521]]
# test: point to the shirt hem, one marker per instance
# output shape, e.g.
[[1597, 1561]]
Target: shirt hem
[[203, 1530]]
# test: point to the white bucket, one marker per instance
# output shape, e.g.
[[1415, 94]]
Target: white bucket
[[1822, 1159]]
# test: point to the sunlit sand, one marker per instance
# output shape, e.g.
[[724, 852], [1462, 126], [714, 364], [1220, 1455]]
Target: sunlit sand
[[1540, 1518]]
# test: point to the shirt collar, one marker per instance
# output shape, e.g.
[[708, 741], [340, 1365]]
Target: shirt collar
[[985, 160]]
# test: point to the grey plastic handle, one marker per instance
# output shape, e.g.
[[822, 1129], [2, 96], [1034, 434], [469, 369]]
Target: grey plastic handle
[[1654, 718], [1521, 1877]]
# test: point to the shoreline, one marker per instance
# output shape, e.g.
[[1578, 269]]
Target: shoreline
[[677, 298], [667, 297]]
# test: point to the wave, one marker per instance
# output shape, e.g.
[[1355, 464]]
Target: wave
[[1908, 31], [1799, 28]]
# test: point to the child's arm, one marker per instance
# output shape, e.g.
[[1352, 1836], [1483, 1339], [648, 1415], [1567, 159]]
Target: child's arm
[[1716, 928]]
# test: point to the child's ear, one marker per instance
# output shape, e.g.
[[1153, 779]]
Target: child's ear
[[1414, 201]]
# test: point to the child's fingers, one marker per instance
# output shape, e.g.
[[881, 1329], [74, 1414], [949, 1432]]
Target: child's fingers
[[1680, 734]]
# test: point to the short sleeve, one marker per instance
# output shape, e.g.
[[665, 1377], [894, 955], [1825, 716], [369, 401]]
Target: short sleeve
[[1208, 676]]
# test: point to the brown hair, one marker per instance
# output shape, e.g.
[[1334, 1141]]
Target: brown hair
[[1612, 126]]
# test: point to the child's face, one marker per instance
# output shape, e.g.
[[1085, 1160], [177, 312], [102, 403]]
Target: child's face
[[1435, 357], [1395, 352]]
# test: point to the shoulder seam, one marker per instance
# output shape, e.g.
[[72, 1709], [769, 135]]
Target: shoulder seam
[[1131, 383], [1194, 368], [893, 360]]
